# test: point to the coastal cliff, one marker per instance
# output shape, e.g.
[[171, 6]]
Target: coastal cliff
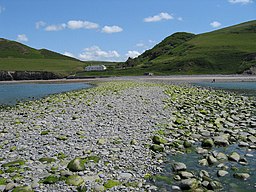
[[27, 75]]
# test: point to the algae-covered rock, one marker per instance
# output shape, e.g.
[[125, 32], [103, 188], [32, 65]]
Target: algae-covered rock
[[243, 176], [14, 163], [157, 148], [234, 157], [189, 184], [77, 164], [208, 143], [50, 179], [74, 180], [111, 183], [158, 140], [214, 185], [22, 189]]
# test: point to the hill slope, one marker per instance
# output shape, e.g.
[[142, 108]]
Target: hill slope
[[226, 51], [15, 56]]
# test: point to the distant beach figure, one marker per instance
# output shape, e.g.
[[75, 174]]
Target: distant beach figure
[[213, 81]]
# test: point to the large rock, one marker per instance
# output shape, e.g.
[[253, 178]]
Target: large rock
[[178, 166], [243, 176], [208, 143], [221, 140], [234, 157], [158, 140], [76, 164], [189, 184], [75, 180]]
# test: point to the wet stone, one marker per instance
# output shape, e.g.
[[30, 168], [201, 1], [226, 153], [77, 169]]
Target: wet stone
[[178, 166]]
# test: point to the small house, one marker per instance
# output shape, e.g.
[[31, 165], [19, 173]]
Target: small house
[[96, 68]]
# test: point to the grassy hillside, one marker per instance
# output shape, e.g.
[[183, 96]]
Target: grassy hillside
[[225, 51], [15, 56]]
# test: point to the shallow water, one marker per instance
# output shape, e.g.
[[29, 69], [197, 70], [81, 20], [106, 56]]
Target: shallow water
[[10, 94], [229, 182], [243, 88]]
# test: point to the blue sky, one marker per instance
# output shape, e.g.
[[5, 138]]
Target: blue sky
[[113, 30]]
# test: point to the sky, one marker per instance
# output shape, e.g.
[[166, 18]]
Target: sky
[[113, 30]]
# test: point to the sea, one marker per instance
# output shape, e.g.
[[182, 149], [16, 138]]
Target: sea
[[243, 88], [12, 93]]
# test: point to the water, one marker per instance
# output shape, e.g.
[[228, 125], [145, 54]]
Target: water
[[10, 94], [229, 183], [243, 88]]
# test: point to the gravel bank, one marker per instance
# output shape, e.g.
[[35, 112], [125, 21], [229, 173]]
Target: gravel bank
[[115, 136], [113, 122]]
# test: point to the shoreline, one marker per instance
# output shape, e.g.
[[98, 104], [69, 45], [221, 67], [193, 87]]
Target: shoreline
[[174, 78]]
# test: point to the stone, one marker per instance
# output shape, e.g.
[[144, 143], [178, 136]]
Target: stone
[[101, 141], [178, 166], [208, 143], [243, 144], [234, 157], [157, 148], [76, 164], [203, 173], [201, 150], [211, 160], [74, 180], [203, 162], [221, 173], [187, 144], [189, 184], [111, 183], [221, 156], [22, 189], [214, 185], [125, 176], [158, 140], [98, 188], [186, 174], [221, 140], [243, 176], [10, 186]]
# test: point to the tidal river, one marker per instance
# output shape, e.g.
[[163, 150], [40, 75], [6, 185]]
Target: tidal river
[[10, 94]]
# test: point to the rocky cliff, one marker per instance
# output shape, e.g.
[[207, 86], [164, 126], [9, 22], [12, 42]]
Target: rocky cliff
[[27, 75]]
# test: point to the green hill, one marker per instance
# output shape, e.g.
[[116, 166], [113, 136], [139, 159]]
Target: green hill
[[15, 56], [225, 51]]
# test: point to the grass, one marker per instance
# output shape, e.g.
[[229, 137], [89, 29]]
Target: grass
[[222, 51], [64, 67]]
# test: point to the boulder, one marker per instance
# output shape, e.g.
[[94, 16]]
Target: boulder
[[76, 164], [178, 166]]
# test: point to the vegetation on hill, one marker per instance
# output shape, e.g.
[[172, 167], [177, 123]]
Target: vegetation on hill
[[225, 51]]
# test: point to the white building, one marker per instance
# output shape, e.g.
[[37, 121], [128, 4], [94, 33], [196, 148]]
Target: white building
[[96, 68]]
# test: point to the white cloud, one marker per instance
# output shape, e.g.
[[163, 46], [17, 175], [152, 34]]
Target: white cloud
[[95, 53], [22, 38], [240, 1], [159, 17], [55, 27], [215, 24], [69, 54], [40, 24], [112, 29], [132, 54], [2, 9], [73, 24]]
